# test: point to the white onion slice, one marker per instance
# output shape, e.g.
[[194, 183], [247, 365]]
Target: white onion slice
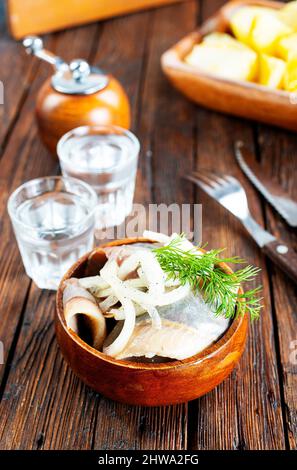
[[137, 282], [108, 302], [167, 298], [129, 265], [129, 323], [93, 282], [73, 289], [151, 268], [105, 292], [156, 237], [171, 282], [173, 296], [154, 314], [153, 273], [109, 274], [185, 245], [119, 313]]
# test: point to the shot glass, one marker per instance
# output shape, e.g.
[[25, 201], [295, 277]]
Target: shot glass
[[106, 158], [53, 220]]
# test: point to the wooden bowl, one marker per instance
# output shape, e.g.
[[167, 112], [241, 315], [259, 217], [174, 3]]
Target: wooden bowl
[[240, 98], [139, 383]]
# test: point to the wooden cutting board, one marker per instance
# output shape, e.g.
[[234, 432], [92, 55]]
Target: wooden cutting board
[[41, 16]]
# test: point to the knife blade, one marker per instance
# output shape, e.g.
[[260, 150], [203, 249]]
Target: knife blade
[[272, 192], [228, 191]]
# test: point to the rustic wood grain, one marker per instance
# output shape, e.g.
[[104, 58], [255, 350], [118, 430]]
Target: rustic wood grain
[[23, 158], [53, 438], [287, 262], [153, 97], [17, 70], [40, 383], [167, 124], [245, 411], [251, 407]]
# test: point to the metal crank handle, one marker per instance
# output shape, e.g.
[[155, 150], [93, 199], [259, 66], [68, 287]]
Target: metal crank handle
[[34, 46]]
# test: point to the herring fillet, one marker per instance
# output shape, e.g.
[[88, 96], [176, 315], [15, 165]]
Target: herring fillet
[[174, 340]]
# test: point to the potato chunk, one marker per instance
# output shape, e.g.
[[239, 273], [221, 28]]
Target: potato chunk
[[242, 21], [224, 56], [271, 71], [287, 46], [267, 30], [288, 14], [290, 80]]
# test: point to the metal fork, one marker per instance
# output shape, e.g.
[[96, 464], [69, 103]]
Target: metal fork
[[228, 192]]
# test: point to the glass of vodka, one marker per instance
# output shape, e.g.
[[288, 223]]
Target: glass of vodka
[[106, 158], [53, 220]]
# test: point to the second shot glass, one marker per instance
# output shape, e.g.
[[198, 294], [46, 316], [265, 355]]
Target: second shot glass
[[106, 158]]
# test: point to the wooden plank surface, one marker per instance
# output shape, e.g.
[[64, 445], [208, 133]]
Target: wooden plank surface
[[246, 408], [24, 158], [17, 72], [277, 151], [44, 406]]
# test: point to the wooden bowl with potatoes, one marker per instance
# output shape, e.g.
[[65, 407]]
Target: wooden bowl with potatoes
[[248, 68]]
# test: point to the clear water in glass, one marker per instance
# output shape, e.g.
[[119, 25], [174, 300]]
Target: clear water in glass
[[105, 157], [53, 230]]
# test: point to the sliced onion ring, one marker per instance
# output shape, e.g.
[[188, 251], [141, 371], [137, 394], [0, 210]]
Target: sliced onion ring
[[109, 274], [129, 323]]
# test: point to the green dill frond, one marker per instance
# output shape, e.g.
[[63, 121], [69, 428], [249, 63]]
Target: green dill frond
[[202, 271]]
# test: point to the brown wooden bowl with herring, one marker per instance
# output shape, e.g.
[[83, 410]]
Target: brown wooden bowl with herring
[[148, 384]]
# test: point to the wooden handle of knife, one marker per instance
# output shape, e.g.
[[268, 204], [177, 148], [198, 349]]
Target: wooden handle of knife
[[283, 256]]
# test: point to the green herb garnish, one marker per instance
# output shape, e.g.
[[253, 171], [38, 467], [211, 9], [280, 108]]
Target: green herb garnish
[[204, 274]]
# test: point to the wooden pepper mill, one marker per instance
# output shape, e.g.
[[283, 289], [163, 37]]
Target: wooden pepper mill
[[76, 95]]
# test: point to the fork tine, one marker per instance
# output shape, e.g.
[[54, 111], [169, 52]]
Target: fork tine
[[231, 179], [225, 189], [216, 180], [204, 177], [203, 185]]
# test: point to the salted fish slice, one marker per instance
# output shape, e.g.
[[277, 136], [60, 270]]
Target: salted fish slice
[[188, 326], [174, 340]]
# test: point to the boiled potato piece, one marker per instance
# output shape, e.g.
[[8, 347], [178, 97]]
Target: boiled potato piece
[[237, 62], [266, 32], [287, 46], [290, 79], [242, 21], [271, 71], [222, 40], [288, 14]]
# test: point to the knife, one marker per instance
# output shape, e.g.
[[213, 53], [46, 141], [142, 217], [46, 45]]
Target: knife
[[228, 191], [272, 192]]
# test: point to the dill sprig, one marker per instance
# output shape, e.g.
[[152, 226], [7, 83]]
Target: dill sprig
[[204, 274]]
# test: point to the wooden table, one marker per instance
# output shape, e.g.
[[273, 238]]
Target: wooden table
[[44, 406]]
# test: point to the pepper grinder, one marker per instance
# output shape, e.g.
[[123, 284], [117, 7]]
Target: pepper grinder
[[77, 94]]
